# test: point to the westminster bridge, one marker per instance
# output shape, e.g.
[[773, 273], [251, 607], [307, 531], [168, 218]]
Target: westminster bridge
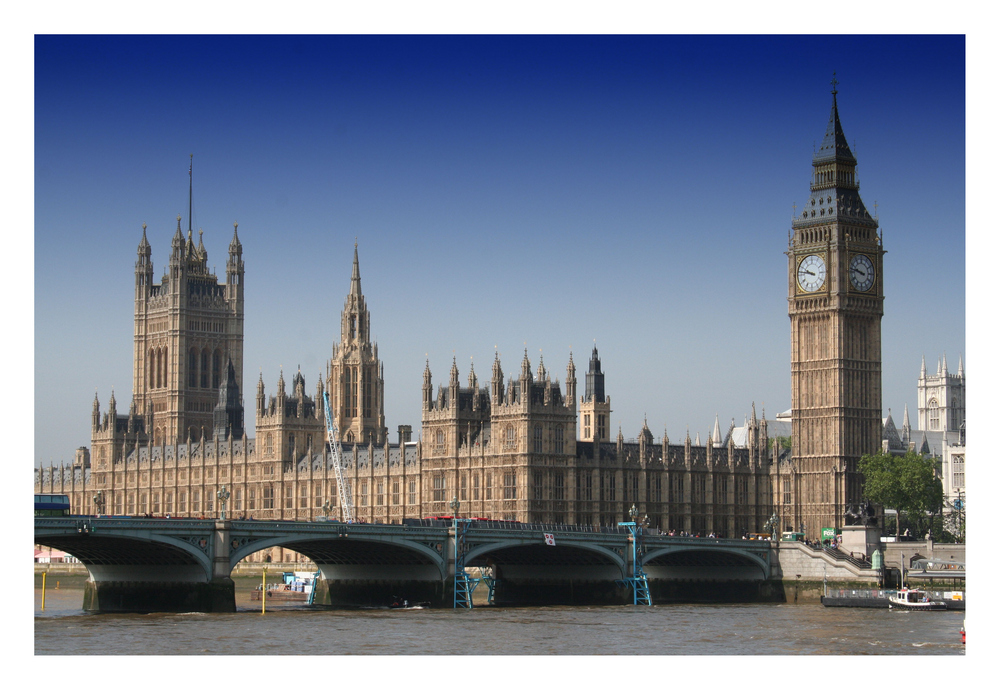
[[157, 564]]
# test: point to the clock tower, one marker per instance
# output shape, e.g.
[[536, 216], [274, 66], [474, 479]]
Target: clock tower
[[835, 306]]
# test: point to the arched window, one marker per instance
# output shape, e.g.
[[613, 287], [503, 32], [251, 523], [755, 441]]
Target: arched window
[[510, 437], [159, 368], [216, 368], [268, 444], [933, 414], [192, 368], [205, 364], [537, 439], [439, 439]]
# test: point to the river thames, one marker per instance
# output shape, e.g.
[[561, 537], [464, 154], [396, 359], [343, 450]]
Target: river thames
[[677, 629]]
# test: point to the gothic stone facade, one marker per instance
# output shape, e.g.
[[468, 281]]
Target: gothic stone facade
[[508, 452]]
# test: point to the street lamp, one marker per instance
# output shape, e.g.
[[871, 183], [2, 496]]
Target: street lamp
[[327, 507], [772, 522], [99, 502], [223, 495], [454, 505]]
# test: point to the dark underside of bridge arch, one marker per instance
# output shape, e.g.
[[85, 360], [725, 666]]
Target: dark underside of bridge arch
[[98, 550], [700, 559], [357, 552], [540, 555], [540, 575], [693, 576]]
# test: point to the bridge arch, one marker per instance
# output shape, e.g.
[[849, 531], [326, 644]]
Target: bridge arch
[[479, 552], [717, 555], [111, 549], [321, 549]]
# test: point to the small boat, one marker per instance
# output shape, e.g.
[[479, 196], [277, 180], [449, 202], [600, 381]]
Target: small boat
[[295, 586], [915, 600], [400, 603]]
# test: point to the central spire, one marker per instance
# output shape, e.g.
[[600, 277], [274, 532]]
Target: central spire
[[834, 146], [356, 273]]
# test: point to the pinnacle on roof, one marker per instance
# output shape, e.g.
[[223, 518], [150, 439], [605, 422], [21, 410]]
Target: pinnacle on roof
[[178, 240], [144, 243], [834, 145], [356, 273], [234, 245]]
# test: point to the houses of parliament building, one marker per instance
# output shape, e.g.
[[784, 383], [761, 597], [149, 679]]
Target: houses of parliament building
[[522, 446]]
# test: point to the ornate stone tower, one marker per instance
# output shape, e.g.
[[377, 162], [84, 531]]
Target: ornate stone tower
[[835, 298], [941, 398], [595, 407], [354, 373], [187, 329]]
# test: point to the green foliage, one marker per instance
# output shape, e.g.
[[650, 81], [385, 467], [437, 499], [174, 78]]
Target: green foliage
[[907, 483], [784, 442]]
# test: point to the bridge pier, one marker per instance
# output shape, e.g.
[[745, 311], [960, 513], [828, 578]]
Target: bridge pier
[[130, 596]]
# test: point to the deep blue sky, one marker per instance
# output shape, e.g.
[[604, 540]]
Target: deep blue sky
[[517, 192]]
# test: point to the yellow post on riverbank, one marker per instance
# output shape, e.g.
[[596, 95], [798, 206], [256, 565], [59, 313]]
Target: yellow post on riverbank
[[43, 591], [263, 592]]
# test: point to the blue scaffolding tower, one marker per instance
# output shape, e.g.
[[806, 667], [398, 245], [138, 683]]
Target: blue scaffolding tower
[[637, 578], [464, 585]]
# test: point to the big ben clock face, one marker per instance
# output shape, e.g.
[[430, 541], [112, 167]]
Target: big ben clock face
[[812, 273], [862, 272]]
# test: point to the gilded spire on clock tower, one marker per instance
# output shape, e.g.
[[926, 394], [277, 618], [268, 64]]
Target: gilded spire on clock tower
[[835, 306]]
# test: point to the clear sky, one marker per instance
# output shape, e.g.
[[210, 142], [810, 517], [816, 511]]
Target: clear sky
[[512, 192]]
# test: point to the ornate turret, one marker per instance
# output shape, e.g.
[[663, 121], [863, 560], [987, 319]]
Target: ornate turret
[[227, 419], [496, 383], [260, 394], [595, 406], [234, 266], [595, 380], [428, 391], [143, 267], [571, 383]]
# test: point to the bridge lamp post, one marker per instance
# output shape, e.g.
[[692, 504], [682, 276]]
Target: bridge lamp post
[[99, 501], [327, 507], [772, 522], [223, 495]]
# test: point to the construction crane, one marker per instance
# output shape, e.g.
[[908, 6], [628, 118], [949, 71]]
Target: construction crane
[[343, 487]]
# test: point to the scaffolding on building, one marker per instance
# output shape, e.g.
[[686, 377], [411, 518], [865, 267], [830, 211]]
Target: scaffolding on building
[[636, 579]]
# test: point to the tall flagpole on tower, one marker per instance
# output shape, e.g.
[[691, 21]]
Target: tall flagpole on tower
[[190, 191]]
